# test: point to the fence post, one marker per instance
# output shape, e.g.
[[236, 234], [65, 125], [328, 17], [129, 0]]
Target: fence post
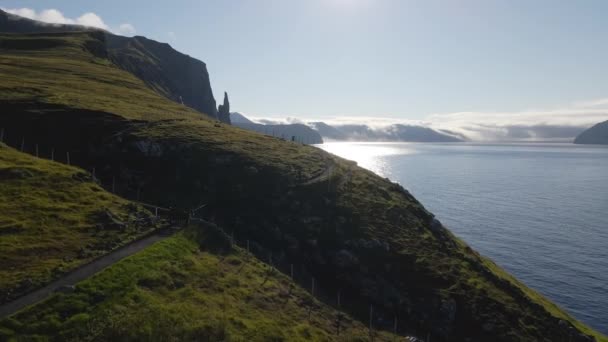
[[395, 326], [339, 295], [52, 154], [371, 317], [156, 212], [113, 184], [67, 154], [36, 150], [291, 270], [247, 246], [22, 144], [428, 337], [93, 173], [312, 292]]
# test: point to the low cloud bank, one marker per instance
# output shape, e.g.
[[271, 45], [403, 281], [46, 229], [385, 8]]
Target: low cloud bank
[[54, 16], [557, 124]]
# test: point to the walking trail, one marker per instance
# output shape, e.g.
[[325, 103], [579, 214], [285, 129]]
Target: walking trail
[[81, 273]]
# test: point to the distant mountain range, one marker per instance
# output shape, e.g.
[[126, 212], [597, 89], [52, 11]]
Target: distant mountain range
[[315, 131], [396, 132], [597, 134], [296, 132]]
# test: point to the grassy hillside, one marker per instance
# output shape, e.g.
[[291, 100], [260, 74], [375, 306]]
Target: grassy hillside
[[53, 218], [350, 229], [177, 291]]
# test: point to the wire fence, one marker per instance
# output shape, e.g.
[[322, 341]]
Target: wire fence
[[298, 274]]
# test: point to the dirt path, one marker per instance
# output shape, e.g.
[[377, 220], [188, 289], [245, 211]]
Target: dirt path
[[81, 273], [330, 166]]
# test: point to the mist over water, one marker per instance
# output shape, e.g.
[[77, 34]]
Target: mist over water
[[538, 210]]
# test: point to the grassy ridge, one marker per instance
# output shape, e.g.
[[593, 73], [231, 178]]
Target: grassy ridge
[[176, 291], [49, 220], [354, 230]]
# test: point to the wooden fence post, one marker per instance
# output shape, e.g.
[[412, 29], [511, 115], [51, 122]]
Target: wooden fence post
[[67, 154], [291, 270], [371, 317], [36, 150], [395, 326], [339, 295], [247, 246]]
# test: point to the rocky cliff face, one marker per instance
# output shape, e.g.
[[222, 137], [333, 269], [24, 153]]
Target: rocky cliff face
[[172, 74], [597, 134]]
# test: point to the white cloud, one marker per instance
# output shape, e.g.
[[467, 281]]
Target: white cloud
[[54, 16], [171, 35], [126, 30], [559, 124]]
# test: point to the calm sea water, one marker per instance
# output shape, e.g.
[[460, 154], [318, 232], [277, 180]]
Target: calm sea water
[[538, 210]]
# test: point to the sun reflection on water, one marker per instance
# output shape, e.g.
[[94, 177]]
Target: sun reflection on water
[[369, 155]]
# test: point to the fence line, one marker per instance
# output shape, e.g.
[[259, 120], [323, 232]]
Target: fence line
[[292, 275]]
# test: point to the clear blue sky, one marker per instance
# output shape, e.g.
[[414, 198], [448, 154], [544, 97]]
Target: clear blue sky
[[397, 58]]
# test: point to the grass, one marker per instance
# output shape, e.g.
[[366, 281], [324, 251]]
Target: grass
[[49, 220], [259, 187], [175, 290]]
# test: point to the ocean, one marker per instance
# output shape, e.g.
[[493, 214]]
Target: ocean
[[538, 210]]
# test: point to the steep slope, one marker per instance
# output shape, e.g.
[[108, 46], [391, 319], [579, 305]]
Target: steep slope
[[598, 134], [176, 76], [351, 230], [179, 290], [53, 218]]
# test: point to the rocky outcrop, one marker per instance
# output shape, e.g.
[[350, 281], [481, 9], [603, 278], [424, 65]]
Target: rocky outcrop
[[223, 110], [597, 134]]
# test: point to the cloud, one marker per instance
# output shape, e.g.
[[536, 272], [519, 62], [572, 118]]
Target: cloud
[[171, 35], [556, 124], [54, 16], [126, 30], [562, 123]]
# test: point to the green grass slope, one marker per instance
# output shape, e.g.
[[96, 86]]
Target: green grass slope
[[350, 229], [52, 220], [178, 291]]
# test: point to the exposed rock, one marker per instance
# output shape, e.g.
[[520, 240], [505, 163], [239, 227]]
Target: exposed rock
[[110, 221], [436, 225], [149, 148], [345, 259], [372, 244], [223, 110], [15, 173]]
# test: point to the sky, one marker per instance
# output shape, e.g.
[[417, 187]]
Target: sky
[[450, 63]]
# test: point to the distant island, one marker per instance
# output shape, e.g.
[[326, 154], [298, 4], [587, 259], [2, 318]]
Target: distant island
[[598, 134]]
